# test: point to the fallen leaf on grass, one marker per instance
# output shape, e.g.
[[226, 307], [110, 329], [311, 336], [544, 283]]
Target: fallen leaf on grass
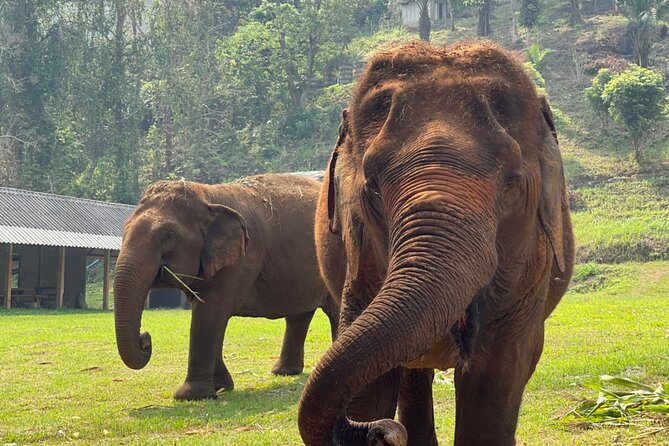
[[252, 427], [119, 380], [92, 369], [199, 431], [44, 362]]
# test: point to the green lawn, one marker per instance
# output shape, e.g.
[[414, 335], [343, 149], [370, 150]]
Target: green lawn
[[625, 219], [61, 380]]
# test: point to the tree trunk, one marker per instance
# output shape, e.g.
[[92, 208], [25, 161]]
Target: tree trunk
[[291, 73], [424, 24], [168, 125], [449, 5], [642, 45], [514, 23], [575, 17], [483, 28], [636, 144]]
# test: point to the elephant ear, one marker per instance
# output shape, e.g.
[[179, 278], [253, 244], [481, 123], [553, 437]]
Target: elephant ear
[[226, 240], [554, 202], [330, 178]]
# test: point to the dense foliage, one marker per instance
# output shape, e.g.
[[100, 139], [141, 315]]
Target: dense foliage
[[99, 98], [643, 15]]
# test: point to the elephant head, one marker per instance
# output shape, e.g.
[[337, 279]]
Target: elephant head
[[176, 225], [448, 173]]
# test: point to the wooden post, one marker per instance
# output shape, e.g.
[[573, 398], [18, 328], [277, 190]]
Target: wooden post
[[8, 278], [105, 282], [60, 279]]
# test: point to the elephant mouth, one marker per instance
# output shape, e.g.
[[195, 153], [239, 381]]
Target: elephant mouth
[[168, 278]]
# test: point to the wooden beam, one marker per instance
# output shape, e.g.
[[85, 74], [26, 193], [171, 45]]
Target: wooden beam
[[105, 281], [8, 278], [40, 256], [60, 278]]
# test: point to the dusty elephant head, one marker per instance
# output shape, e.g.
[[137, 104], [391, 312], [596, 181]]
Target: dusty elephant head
[[174, 226], [448, 173]]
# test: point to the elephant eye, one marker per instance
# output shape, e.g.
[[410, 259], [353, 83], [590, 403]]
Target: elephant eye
[[512, 180], [167, 237], [372, 200]]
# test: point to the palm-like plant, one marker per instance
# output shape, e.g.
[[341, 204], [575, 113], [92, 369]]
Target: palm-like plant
[[643, 14]]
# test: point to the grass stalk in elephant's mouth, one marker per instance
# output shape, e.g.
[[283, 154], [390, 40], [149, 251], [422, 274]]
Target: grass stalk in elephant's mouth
[[178, 279]]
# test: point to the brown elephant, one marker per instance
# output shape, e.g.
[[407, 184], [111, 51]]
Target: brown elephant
[[246, 248], [447, 189]]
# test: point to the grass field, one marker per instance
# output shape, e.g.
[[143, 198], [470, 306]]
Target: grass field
[[61, 380]]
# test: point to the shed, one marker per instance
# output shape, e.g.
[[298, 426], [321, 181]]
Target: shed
[[45, 241]]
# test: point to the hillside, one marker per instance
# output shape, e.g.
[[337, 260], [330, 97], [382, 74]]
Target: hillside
[[620, 211]]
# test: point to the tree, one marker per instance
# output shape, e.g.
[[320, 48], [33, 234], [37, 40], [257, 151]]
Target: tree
[[270, 69], [643, 15], [451, 16], [636, 99], [594, 94], [368, 13], [424, 24], [530, 11], [484, 10]]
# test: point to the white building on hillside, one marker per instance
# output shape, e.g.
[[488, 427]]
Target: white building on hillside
[[410, 11]]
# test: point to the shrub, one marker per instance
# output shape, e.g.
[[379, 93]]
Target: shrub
[[636, 98], [536, 54], [594, 94], [538, 79]]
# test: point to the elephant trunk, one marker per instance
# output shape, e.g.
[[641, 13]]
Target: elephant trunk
[[441, 254], [130, 291]]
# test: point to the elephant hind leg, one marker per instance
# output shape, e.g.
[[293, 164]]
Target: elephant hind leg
[[291, 361], [331, 310]]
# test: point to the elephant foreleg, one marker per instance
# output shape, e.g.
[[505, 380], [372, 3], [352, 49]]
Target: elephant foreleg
[[415, 406], [291, 361], [488, 395], [206, 337], [222, 378]]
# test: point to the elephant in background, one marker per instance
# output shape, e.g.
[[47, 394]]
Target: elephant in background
[[246, 248], [447, 189]]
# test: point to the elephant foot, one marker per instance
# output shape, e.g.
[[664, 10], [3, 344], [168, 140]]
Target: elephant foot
[[191, 390], [287, 369], [223, 382]]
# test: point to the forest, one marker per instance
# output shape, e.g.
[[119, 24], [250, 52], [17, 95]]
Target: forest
[[100, 98]]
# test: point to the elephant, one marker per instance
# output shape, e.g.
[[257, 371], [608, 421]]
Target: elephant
[[446, 187], [245, 248]]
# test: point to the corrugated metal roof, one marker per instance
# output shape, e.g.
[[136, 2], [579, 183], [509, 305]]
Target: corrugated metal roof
[[313, 174], [37, 218]]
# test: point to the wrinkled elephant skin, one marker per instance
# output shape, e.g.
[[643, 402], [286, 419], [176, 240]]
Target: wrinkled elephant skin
[[446, 187], [246, 248]]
